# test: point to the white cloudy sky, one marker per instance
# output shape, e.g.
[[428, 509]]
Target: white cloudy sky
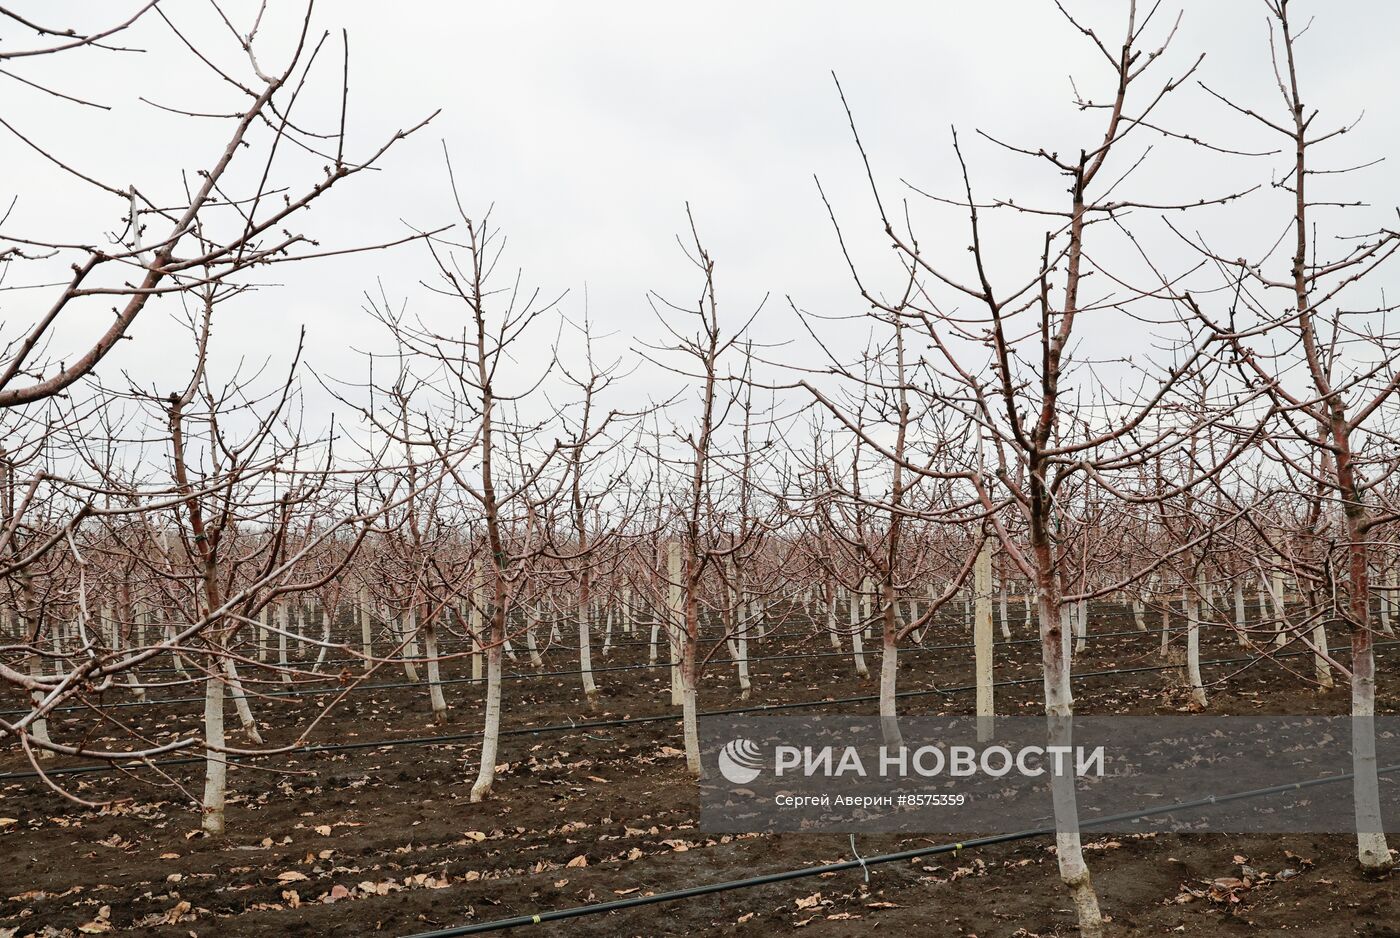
[[589, 126]]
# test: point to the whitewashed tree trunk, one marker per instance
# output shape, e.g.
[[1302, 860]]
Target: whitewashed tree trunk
[[366, 630], [408, 636], [491, 737], [867, 596], [1059, 708], [857, 646], [430, 646], [689, 712], [1081, 624], [302, 616], [1387, 597], [133, 677], [283, 624], [889, 675], [531, 623], [742, 659], [982, 642], [1166, 624], [39, 728], [108, 622], [1005, 620], [325, 643], [1321, 669], [1193, 651], [240, 701], [1067, 632], [831, 631], [738, 641], [585, 654], [675, 624], [176, 661], [1240, 633], [1280, 609], [27, 624], [1138, 620], [215, 762], [1371, 849]]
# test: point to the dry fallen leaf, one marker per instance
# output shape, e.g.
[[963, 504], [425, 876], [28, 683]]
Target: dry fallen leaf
[[102, 923], [176, 913], [337, 893], [580, 860], [291, 876]]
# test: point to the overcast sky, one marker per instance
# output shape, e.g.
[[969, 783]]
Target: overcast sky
[[589, 126]]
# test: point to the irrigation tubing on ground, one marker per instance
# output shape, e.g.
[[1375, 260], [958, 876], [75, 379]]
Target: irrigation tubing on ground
[[107, 766], [874, 652], [693, 892], [463, 647]]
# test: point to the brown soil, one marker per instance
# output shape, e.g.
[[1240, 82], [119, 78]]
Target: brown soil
[[311, 828]]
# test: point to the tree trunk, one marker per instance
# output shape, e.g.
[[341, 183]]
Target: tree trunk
[[1059, 708], [857, 648], [831, 617], [490, 738], [1240, 634], [1005, 621], [366, 631], [215, 763], [1193, 651], [240, 702], [1280, 609], [982, 643], [408, 638], [585, 654], [283, 626], [675, 625], [1321, 669], [430, 646], [532, 620]]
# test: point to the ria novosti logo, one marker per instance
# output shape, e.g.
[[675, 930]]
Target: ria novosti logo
[[740, 761]]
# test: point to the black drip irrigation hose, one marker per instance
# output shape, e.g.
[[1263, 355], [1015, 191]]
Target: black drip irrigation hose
[[693, 892], [106, 767], [775, 624], [874, 652]]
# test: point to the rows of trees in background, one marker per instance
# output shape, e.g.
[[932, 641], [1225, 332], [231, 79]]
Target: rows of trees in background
[[490, 490]]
